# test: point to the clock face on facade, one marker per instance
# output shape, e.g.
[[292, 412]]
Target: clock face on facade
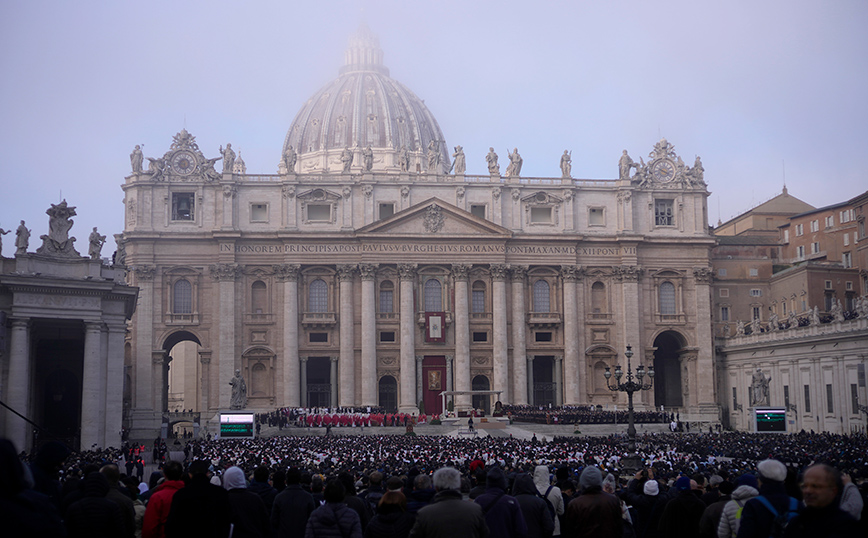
[[184, 162], [663, 170]]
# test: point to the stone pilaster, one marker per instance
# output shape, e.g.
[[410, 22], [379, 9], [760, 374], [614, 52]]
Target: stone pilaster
[[18, 392], [205, 359], [114, 390], [449, 383], [519, 364], [144, 398], [302, 365], [462, 335], [368, 273], [92, 389], [419, 386], [225, 274], [407, 389], [574, 371], [559, 381], [704, 339], [499, 274], [346, 274], [288, 274], [333, 382], [530, 381], [629, 276]]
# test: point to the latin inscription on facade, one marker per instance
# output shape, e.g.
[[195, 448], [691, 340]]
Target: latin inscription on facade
[[439, 248]]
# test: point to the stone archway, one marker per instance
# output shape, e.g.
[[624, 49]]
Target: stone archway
[[388, 393], [481, 401], [668, 381], [183, 378]]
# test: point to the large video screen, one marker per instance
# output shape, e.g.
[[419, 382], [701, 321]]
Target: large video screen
[[771, 420], [236, 425]]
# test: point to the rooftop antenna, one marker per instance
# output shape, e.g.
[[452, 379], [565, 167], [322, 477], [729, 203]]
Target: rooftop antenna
[[185, 122], [784, 171]]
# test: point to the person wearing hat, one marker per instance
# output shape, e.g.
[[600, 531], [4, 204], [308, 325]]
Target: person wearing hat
[[642, 493], [710, 520], [746, 488], [502, 512], [757, 519], [594, 512], [681, 516]]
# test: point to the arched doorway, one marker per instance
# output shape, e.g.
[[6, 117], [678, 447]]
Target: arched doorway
[[481, 401], [388, 394], [667, 366], [182, 373], [543, 381], [319, 388]]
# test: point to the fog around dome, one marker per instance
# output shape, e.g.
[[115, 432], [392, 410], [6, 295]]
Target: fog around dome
[[364, 107]]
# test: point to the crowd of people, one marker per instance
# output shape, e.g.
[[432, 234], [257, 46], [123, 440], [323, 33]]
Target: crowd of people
[[352, 486], [582, 414]]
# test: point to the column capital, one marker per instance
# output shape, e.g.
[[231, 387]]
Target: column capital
[[559, 358], [419, 359], [571, 273], [93, 326], [368, 271], [302, 360], [518, 272], [530, 358], [628, 273], [460, 271], [144, 272], [158, 357], [205, 357], [225, 272], [346, 272], [499, 271], [287, 272], [20, 323], [334, 359], [703, 275], [407, 271], [449, 358]]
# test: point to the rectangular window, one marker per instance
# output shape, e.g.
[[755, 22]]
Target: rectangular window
[[386, 301], [846, 240], [480, 336], [478, 210], [756, 312], [319, 212], [830, 402], [756, 293], [815, 225], [847, 259], [807, 398], [848, 286], [319, 338], [800, 230], [541, 215], [721, 272], [595, 216], [854, 399], [815, 247], [828, 284], [386, 210], [663, 213], [846, 215], [258, 212], [784, 308], [734, 397], [724, 313], [754, 272], [830, 221], [724, 292], [543, 337], [800, 251], [387, 336], [786, 236], [182, 206], [477, 301], [786, 396]]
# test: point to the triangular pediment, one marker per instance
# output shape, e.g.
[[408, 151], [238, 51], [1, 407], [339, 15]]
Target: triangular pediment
[[434, 218]]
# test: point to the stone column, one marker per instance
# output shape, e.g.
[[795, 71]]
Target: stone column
[[160, 375], [333, 381], [519, 363], [347, 394], [288, 274], [143, 403], [302, 361], [529, 387], [419, 386], [449, 378], [369, 334], [631, 314], [559, 381], [705, 342], [205, 359], [572, 368], [462, 336], [18, 391], [114, 395], [499, 273], [224, 274], [92, 390], [407, 389]]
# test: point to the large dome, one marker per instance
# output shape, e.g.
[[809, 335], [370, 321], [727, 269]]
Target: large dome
[[364, 107]]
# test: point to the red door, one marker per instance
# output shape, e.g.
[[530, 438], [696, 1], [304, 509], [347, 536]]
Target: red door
[[433, 383]]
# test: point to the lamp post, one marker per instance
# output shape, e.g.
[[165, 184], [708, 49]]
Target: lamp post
[[632, 461]]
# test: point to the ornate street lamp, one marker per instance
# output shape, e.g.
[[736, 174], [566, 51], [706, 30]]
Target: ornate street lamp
[[632, 461]]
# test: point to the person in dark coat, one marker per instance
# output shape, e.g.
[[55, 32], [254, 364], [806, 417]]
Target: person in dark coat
[[756, 519], [334, 519], [94, 514], [448, 515], [249, 516], [392, 519], [353, 501], [23, 511], [710, 520], [292, 507], [502, 512], [200, 508], [681, 516], [641, 495], [260, 486], [594, 513], [539, 519], [421, 495], [822, 516], [113, 475]]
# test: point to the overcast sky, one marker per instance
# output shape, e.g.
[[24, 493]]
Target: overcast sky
[[763, 91]]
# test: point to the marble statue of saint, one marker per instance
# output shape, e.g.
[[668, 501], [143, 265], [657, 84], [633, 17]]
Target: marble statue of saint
[[491, 159], [433, 156], [755, 326], [368, 158], [208, 169], [347, 159], [2, 233], [22, 239], [58, 242], [95, 243], [815, 316], [156, 167], [739, 328], [228, 158], [566, 164], [774, 325], [239, 392], [513, 169], [625, 163], [698, 172], [136, 160], [404, 159], [458, 161], [759, 388], [289, 159]]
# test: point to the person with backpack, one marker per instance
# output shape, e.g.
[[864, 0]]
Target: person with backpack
[[769, 513], [502, 512], [537, 513], [746, 488], [551, 494]]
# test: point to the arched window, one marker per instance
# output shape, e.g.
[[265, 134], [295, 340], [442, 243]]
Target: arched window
[[258, 297], [387, 296], [318, 298], [667, 299], [433, 295], [182, 297], [259, 380], [598, 298], [477, 305], [541, 296]]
